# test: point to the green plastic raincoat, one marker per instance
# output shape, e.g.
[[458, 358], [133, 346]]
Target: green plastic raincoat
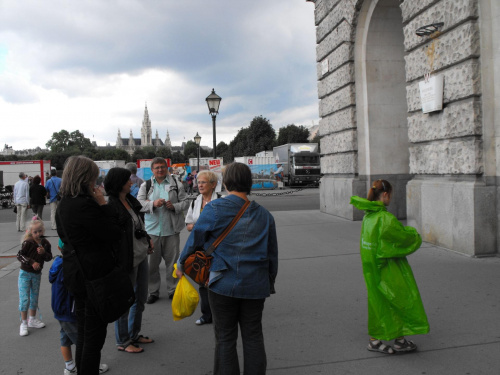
[[395, 308]]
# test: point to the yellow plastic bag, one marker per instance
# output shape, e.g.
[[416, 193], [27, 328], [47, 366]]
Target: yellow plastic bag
[[185, 299]]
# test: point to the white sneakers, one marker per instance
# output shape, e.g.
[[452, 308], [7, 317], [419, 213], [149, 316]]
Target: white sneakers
[[23, 330], [102, 369], [32, 323], [35, 323]]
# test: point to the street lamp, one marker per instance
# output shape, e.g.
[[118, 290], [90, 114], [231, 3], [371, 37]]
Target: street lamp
[[213, 102], [197, 140]]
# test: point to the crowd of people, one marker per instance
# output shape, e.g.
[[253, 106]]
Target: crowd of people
[[137, 226]]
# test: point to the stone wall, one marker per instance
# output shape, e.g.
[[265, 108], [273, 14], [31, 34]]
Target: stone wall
[[447, 151]]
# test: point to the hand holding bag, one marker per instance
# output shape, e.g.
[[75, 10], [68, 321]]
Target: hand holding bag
[[197, 265]]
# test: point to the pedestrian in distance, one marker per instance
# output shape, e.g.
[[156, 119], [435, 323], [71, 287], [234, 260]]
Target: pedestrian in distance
[[53, 186], [35, 250], [395, 309], [242, 274], [136, 181], [88, 229], [37, 196], [22, 201], [207, 181], [63, 306], [132, 255], [163, 200]]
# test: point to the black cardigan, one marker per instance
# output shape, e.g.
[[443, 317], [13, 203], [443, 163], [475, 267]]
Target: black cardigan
[[92, 230], [125, 247]]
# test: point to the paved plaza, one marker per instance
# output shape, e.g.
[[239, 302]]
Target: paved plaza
[[316, 323]]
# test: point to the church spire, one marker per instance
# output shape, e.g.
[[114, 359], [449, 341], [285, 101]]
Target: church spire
[[146, 136]]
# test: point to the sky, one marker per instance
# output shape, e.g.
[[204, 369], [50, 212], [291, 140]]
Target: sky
[[92, 66]]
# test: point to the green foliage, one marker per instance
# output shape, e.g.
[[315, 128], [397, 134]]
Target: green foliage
[[259, 136], [177, 157], [191, 150], [292, 134], [72, 142]]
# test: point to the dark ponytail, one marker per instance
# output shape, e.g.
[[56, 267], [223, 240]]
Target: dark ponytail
[[378, 188]]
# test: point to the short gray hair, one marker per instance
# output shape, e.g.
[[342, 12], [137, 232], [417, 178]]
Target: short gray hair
[[212, 177], [132, 167]]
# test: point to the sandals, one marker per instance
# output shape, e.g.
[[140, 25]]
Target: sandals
[[404, 346], [379, 346], [143, 340], [132, 349]]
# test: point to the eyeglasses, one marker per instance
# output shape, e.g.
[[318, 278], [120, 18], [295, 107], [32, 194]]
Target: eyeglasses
[[160, 167]]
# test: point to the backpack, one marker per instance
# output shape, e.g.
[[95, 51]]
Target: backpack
[[176, 188], [61, 300], [134, 190]]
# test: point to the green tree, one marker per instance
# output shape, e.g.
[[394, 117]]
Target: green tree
[[65, 141], [259, 136], [191, 150], [292, 134]]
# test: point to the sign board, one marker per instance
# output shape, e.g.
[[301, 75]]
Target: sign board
[[215, 166], [431, 93]]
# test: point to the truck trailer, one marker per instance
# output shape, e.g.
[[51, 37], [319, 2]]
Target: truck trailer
[[11, 169], [300, 163]]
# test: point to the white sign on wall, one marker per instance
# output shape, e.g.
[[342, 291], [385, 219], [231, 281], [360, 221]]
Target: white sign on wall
[[431, 93], [324, 67]]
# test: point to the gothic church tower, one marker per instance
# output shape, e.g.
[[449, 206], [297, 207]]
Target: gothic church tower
[[146, 134]]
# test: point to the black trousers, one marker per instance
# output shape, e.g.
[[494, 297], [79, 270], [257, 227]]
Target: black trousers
[[91, 337]]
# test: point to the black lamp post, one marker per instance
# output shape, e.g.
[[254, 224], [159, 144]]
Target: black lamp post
[[197, 140], [213, 102]]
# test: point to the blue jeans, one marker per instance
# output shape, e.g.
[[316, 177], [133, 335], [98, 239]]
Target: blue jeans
[[228, 313], [128, 326], [29, 289]]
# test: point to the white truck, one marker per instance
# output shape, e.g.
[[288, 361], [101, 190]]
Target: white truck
[[10, 170], [300, 162]]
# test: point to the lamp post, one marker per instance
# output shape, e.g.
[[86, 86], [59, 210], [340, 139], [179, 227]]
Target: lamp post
[[197, 140], [213, 102]]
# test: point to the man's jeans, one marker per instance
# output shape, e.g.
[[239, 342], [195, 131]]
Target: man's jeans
[[227, 313]]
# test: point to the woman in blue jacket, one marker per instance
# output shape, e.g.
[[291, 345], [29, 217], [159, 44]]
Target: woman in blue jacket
[[243, 271]]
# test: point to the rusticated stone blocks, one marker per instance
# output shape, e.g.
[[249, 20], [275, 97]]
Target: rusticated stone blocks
[[461, 156], [343, 33], [336, 80], [342, 54], [460, 81], [344, 163], [457, 45], [338, 100], [459, 119], [450, 12], [341, 120], [339, 142]]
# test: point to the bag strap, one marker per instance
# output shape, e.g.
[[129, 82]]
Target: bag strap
[[213, 246]]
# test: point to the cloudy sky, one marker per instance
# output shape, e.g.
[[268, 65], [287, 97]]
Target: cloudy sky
[[91, 65]]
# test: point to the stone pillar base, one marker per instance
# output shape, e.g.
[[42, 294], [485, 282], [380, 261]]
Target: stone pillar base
[[336, 192], [458, 214]]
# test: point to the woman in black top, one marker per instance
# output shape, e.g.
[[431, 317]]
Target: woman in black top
[[86, 224], [37, 196]]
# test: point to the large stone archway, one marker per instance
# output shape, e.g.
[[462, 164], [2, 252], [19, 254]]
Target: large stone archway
[[372, 124], [381, 110]]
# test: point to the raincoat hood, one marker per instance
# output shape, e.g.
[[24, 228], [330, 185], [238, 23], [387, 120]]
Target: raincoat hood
[[366, 205]]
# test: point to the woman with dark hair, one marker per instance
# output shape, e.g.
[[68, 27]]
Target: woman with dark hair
[[243, 271], [132, 254], [37, 196], [395, 308], [85, 224]]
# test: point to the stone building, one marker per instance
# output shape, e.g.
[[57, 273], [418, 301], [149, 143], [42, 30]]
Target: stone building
[[131, 144], [444, 165]]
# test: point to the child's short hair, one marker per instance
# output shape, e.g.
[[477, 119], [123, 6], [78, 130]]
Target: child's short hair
[[35, 221]]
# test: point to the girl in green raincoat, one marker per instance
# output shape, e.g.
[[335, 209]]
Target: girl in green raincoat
[[395, 308]]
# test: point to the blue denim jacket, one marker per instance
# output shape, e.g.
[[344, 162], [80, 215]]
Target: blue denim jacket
[[245, 263]]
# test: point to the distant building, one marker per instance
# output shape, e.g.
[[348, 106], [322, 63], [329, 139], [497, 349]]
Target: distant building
[[9, 151], [131, 144]]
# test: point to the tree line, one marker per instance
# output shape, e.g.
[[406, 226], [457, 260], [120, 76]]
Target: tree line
[[258, 136]]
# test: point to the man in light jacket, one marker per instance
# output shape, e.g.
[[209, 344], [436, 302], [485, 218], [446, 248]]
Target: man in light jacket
[[21, 200], [164, 201]]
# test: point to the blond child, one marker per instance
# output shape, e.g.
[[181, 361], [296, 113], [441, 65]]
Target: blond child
[[35, 250]]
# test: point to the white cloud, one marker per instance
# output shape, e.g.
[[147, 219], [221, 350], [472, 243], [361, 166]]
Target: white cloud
[[91, 65]]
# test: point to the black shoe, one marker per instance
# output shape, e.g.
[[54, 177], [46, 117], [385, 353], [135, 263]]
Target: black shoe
[[171, 296], [152, 299]]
